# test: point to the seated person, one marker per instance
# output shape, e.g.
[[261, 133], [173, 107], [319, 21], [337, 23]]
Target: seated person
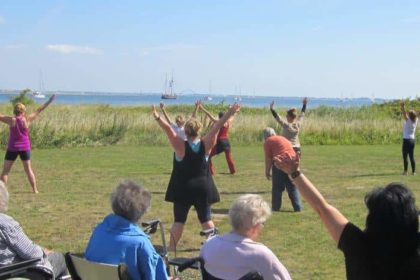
[[388, 248], [118, 238], [234, 254], [16, 247]]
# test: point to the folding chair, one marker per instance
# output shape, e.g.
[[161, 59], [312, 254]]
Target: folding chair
[[25, 270], [198, 262], [82, 269]]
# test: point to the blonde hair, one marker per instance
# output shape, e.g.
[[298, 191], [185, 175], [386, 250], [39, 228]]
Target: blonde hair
[[192, 127], [180, 120], [19, 109], [247, 211]]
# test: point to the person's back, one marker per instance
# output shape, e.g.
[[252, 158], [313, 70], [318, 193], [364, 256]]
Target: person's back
[[117, 240], [19, 135]]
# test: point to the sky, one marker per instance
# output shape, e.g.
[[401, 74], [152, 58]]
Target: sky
[[311, 48]]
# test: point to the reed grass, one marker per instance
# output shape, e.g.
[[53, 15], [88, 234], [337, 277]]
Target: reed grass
[[101, 125]]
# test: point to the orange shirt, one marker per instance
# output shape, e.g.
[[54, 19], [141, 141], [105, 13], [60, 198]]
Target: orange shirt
[[277, 145]]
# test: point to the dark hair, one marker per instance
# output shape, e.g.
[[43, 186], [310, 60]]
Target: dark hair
[[412, 115], [392, 222], [292, 112], [221, 113]]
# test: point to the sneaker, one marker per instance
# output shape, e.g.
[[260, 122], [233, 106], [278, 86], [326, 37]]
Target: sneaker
[[404, 173], [413, 173]]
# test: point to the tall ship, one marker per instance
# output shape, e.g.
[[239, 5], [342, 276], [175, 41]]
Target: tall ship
[[168, 91]]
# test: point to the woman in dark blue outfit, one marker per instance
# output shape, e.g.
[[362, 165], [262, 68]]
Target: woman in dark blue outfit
[[191, 183]]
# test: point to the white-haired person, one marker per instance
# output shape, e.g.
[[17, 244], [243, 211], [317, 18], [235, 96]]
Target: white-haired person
[[119, 239], [234, 254], [275, 145], [19, 143], [191, 183], [292, 124], [15, 245]]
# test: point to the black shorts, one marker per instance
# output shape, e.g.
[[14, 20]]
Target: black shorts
[[222, 145], [181, 212], [12, 155]]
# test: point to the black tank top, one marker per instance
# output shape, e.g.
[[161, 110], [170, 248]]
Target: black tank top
[[191, 181]]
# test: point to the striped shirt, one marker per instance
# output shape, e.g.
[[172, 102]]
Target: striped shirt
[[15, 245]]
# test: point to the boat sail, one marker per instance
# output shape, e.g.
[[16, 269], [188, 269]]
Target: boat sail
[[168, 92], [39, 93]]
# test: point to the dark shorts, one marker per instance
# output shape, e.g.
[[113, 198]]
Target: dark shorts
[[12, 155], [222, 145], [181, 212]]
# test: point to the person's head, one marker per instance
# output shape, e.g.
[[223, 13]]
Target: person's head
[[393, 216], [180, 120], [130, 201], [19, 109], [412, 115], [4, 198], [267, 132], [192, 128], [248, 212], [291, 114], [221, 113]]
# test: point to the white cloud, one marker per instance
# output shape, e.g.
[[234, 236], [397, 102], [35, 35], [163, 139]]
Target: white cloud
[[70, 49], [165, 48], [2, 20]]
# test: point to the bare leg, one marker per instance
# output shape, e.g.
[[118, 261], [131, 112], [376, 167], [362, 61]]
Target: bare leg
[[6, 169], [176, 233], [30, 174]]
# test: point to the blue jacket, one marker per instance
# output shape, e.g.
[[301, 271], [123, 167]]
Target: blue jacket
[[117, 240]]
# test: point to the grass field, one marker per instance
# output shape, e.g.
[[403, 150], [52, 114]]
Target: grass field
[[75, 184]]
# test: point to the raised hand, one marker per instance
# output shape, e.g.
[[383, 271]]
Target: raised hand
[[272, 105], [287, 163], [162, 105], [234, 109], [154, 113]]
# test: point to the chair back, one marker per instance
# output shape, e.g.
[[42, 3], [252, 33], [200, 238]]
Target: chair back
[[82, 269]]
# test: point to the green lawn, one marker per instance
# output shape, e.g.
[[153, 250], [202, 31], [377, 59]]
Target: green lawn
[[75, 185]]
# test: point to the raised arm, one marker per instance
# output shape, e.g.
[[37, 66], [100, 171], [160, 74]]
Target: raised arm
[[197, 106], [35, 114], [208, 114], [274, 113], [211, 137], [330, 216], [403, 111], [176, 142], [162, 107], [6, 119]]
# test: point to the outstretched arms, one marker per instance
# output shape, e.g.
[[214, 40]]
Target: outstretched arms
[[176, 142], [162, 107], [333, 220], [35, 114], [197, 106], [403, 111], [208, 114], [210, 139]]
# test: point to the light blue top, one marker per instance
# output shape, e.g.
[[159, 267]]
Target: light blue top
[[117, 240], [195, 147]]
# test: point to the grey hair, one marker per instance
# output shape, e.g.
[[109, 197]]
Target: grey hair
[[130, 200], [268, 131], [4, 197], [247, 211]]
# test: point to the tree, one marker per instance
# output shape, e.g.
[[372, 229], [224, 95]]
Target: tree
[[22, 98]]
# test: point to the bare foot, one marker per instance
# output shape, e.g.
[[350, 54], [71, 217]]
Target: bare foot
[[35, 191]]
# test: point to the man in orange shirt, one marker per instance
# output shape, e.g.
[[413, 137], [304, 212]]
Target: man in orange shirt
[[275, 145]]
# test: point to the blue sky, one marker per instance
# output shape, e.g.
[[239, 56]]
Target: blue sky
[[312, 48]]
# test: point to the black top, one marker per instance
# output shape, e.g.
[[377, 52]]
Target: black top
[[363, 264], [191, 181]]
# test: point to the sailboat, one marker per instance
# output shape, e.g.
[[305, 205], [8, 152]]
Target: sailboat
[[168, 92], [39, 93]]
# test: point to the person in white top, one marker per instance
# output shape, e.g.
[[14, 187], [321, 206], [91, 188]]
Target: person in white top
[[409, 139], [180, 120], [237, 253]]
